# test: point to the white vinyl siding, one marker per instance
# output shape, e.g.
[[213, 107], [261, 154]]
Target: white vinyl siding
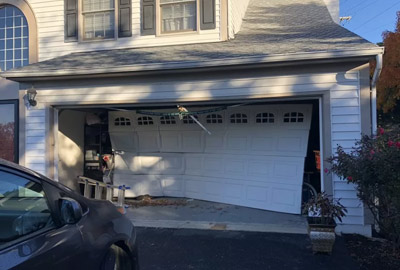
[[35, 138], [50, 20], [236, 11], [346, 129]]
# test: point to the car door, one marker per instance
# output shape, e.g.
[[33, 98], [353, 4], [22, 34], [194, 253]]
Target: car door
[[31, 236]]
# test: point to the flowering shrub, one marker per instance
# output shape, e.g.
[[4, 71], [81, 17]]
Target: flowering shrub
[[374, 166]]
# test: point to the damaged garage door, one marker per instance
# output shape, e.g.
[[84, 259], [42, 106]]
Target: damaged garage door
[[254, 156]]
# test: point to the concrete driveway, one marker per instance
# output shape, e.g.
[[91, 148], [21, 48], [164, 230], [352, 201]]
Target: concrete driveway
[[185, 249], [195, 214]]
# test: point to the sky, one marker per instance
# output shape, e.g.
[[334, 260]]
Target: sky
[[370, 17]]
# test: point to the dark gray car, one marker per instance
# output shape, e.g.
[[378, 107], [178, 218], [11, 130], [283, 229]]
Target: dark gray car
[[44, 224]]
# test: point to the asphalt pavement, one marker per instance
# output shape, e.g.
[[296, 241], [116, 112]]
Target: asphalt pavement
[[187, 249]]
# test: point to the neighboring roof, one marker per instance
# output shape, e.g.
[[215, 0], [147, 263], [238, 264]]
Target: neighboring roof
[[272, 31]]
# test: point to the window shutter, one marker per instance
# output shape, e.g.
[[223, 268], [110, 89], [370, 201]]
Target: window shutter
[[125, 18], [148, 17], [71, 20], [207, 14]]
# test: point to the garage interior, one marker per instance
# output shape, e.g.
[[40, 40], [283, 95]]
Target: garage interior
[[257, 155]]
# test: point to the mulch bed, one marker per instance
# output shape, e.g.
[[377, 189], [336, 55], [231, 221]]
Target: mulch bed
[[373, 253], [147, 200]]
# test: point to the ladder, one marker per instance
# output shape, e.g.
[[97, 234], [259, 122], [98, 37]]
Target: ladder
[[98, 191]]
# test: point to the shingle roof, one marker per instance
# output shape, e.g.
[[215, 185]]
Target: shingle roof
[[270, 27]]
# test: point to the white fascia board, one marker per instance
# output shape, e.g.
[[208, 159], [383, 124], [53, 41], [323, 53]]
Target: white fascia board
[[276, 58]]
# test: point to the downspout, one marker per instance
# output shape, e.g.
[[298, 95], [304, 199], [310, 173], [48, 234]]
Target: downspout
[[377, 73]]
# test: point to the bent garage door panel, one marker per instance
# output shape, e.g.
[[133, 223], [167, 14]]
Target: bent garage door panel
[[254, 157]]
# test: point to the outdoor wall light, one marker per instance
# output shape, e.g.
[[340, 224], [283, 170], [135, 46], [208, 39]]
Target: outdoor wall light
[[31, 93]]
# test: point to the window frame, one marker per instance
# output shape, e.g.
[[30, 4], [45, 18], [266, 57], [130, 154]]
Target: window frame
[[178, 32], [16, 126], [28, 58], [81, 23]]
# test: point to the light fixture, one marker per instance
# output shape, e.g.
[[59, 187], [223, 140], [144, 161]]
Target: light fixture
[[31, 93]]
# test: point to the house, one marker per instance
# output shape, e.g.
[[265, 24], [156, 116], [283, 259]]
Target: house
[[270, 83]]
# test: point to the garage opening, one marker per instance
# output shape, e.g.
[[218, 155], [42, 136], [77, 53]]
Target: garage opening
[[256, 155]]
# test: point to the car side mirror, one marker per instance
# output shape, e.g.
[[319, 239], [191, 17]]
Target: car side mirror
[[71, 211]]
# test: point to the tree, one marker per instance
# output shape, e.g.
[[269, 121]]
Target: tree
[[388, 88]]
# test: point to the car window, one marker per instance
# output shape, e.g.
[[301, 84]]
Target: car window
[[23, 207]]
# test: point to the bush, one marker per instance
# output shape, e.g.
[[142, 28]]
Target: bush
[[374, 166]]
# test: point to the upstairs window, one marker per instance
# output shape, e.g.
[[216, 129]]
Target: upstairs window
[[167, 120], [14, 38], [101, 19], [145, 121], [239, 118], [177, 16], [214, 119], [122, 121], [293, 117], [98, 19], [265, 118]]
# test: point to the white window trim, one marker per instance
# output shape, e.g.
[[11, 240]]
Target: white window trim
[[81, 33], [174, 33]]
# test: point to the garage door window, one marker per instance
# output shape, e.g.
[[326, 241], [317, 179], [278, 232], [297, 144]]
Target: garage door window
[[167, 120], [214, 119], [122, 121], [239, 118], [188, 120], [145, 121], [265, 118], [293, 117]]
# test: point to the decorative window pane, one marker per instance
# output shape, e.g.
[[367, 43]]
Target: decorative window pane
[[188, 120], [145, 121], [265, 118], [293, 117], [168, 120], [122, 121], [98, 19], [178, 15], [214, 119], [14, 38], [239, 118]]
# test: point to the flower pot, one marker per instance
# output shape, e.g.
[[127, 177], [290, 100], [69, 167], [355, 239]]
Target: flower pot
[[322, 234]]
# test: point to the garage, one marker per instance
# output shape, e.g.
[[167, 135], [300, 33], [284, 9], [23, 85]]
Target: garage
[[245, 154]]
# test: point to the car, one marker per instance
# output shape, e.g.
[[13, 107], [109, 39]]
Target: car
[[44, 224]]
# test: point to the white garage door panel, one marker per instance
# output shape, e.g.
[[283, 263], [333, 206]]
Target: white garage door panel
[[254, 157], [245, 167], [155, 185], [131, 163]]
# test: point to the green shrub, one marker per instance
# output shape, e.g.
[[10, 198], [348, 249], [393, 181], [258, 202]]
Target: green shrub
[[374, 166]]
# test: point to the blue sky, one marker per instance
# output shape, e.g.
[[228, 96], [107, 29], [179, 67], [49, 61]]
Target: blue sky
[[370, 17]]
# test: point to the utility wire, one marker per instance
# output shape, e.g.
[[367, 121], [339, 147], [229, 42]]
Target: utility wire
[[358, 11], [359, 4], [374, 29], [376, 16]]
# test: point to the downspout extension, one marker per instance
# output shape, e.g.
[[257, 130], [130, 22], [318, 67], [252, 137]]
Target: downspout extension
[[377, 73]]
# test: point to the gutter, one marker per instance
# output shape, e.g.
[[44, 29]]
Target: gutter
[[209, 63], [377, 73]]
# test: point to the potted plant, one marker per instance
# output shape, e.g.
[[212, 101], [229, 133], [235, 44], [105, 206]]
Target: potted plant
[[321, 213]]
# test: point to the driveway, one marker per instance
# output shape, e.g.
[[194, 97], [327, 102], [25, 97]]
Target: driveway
[[195, 214], [169, 249]]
